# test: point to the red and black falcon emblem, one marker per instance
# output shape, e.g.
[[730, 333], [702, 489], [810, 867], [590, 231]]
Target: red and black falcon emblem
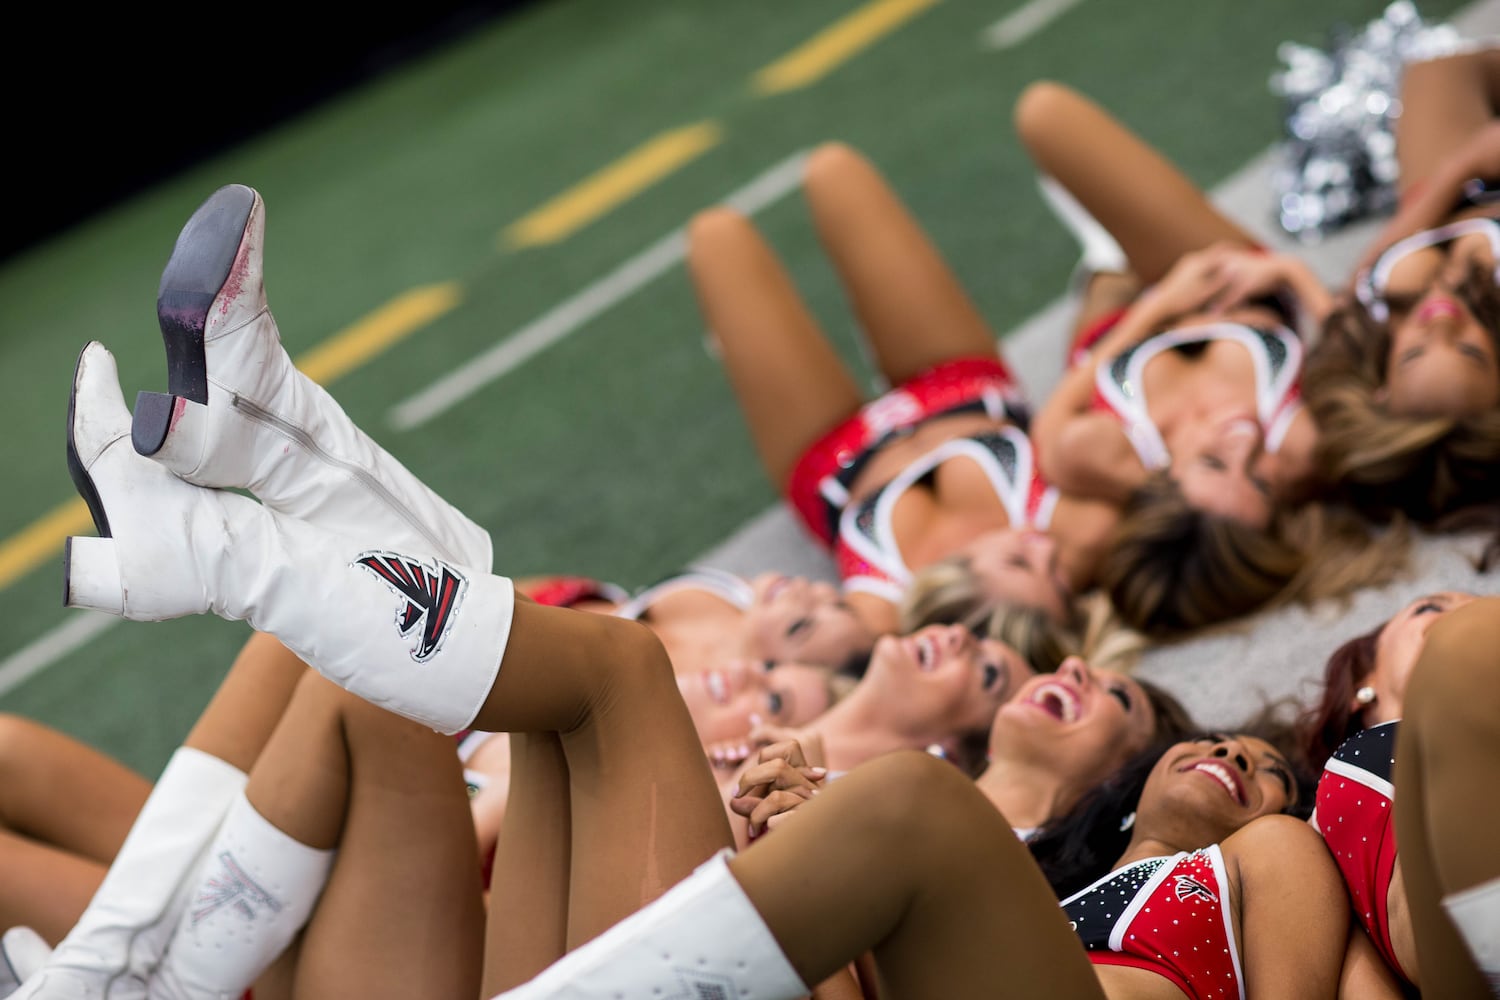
[[431, 595]]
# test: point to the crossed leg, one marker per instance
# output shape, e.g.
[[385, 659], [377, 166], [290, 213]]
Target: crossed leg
[[67, 808], [401, 914]]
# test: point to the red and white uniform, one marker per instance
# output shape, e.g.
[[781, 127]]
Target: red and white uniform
[[1169, 916], [733, 590], [1356, 814], [860, 534], [1119, 386]]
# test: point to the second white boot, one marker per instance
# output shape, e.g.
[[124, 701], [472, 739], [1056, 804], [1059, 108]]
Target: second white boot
[[238, 414], [410, 633]]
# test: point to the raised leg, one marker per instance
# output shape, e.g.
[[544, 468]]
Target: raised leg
[[529, 883], [1447, 754], [910, 305], [790, 383], [133, 906], [1150, 207], [1444, 103], [401, 914], [65, 809], [644, 808], [902, 857]]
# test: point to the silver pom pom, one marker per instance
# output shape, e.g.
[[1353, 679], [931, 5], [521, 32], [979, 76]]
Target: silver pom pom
[[1337, 163]]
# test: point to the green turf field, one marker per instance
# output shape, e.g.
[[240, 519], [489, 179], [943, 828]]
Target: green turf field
[[618, 451]]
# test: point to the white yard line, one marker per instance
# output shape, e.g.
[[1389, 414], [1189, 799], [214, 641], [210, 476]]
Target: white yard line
[[563, 319], [73, 634], [1023, 22]]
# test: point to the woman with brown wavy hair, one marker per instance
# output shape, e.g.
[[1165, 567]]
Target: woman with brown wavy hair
[[1181, 404], [1405, 384]]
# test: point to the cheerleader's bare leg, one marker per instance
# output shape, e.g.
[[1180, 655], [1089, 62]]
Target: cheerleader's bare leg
[[529, 883], [1445, 102], [909, 303], [963, 913], [1150, 207], [790, 382], [1447, 756], [383, 798], [65, 809]]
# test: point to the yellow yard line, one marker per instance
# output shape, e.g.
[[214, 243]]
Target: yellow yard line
[[42, 540], [616, 183], [836, 44], [396, 320], [338, 355]]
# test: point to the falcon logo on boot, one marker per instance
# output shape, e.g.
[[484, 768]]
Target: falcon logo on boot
[[432, 595]]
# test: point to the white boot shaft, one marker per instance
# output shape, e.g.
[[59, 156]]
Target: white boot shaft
[[124, 930], [255, 892], [238, 414], [412, 634], [702, 939]]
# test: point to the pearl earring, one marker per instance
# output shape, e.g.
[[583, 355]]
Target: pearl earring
[[1365, 695]]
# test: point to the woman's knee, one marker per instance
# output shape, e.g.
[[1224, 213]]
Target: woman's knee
[[914, 797], [715, 230], [831, 165], [1041, 110]]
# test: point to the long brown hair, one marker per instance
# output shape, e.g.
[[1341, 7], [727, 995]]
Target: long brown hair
[[1384, 463], [1174, 568], [1332, 719]]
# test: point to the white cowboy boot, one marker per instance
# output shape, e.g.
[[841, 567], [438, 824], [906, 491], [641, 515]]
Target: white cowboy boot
[[254, 893], [414, 634], [114, 946], [238, 414], [23, 952], [703, 938]]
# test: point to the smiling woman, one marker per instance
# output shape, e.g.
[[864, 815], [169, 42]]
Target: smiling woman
[[1405, 384]]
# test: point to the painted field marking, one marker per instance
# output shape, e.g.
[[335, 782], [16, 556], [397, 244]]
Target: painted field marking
[[75, 633], [395, 321], [42, 539], [609, 187], [1025, 21], [566, 317], [835, 45]]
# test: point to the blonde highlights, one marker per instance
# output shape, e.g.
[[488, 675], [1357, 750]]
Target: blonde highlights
[[947, 592], [1384, 463]]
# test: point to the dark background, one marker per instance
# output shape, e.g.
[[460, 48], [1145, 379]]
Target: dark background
[[100, 104]]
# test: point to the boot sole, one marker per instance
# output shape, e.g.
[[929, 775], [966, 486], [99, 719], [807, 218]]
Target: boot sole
[[195, 274], [82, 481]]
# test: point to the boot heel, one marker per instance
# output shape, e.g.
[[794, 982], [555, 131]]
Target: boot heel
[[91, 575], [170, 429], [201, 263]]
